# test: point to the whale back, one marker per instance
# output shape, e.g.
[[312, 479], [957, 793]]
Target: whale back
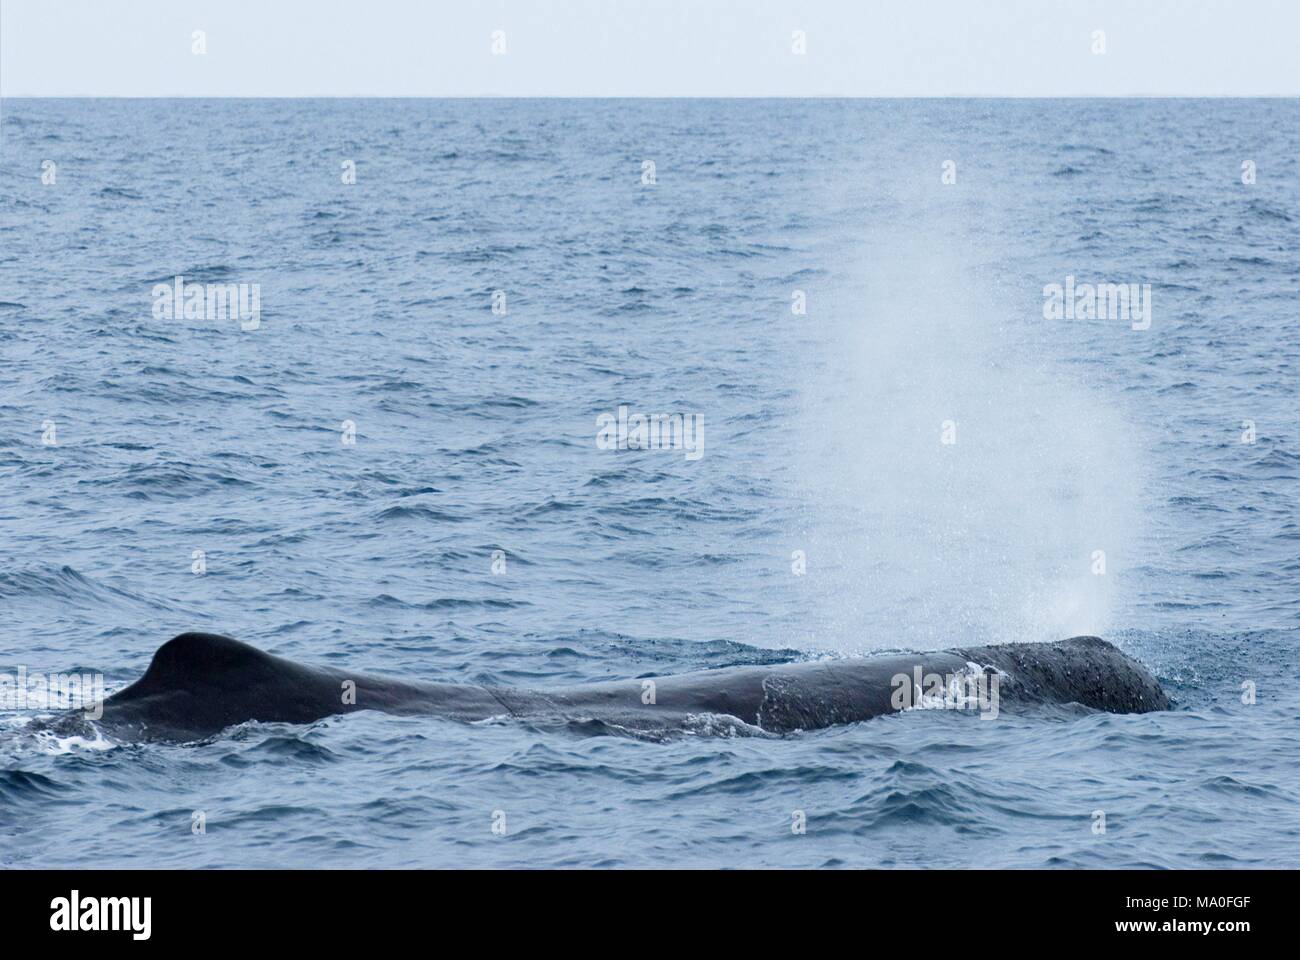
[[1086, 670], [200, 683]]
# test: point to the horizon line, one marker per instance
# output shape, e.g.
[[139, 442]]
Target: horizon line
[[644, 96]]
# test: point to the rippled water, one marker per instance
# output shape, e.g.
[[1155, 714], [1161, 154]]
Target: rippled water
[[475, 433]]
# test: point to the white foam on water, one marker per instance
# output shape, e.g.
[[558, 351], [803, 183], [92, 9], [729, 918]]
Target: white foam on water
[[57, 746], [722, 725], [48, 742]]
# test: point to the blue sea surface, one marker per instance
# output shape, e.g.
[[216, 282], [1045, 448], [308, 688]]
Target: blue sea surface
[[900, 451]]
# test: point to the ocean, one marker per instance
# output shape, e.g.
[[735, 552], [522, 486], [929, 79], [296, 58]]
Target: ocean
[[389, 460]]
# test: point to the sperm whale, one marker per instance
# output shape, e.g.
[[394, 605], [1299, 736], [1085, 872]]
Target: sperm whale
[[199, 684]]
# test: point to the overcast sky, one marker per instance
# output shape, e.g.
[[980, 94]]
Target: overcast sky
[[649, 48]]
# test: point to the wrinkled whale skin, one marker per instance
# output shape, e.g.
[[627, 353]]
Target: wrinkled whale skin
[[199, 684]]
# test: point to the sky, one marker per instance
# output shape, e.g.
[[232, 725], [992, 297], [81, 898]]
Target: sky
[[662, 48]]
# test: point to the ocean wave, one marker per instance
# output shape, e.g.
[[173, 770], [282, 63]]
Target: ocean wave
[[62, 584]]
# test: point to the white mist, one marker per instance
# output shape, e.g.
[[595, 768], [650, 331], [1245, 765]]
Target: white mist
[[993, 538]]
